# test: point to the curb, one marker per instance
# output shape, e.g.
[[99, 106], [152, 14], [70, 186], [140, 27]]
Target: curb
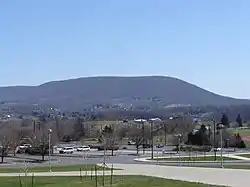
[[148, 160]]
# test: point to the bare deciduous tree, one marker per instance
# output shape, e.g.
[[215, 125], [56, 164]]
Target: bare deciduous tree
[[110, 138], [139, 135], [8, 140]]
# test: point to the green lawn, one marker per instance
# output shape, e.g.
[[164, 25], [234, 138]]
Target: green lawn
[[242, 131], [224, 166], [117, 181], [204, 158], [86, 167], [233, 167]]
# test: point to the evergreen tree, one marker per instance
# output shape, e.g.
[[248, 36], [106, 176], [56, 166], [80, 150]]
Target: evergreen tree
[[239, 120], [224, 120]]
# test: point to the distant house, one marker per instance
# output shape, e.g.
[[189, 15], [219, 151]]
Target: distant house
[[140, 120]]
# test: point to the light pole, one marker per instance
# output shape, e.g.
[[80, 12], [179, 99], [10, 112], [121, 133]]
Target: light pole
[[49, 133], [104, 155], [179, 147], [152, 140], [215, 149], [220, 128], [165, 134], [152, 135], [221, 146], [143, 138]]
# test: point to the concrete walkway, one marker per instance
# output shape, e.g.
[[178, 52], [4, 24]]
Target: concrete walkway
[[148, 159], [238, 157], [214, 176]]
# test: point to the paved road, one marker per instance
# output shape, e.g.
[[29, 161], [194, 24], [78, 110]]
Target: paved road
[[224, 177], [58, 160], [122, 157]]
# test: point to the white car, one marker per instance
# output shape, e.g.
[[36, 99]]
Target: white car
[[216, 149], [25, 146], [67, 150], [83, 148], [59, 148]]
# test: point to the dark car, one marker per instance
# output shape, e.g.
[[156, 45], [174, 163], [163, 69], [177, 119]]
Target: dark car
[[160, 146], [147, 146], [101, 148]]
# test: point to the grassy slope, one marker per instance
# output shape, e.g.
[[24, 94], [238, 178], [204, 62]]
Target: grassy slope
[[245, 155], [118, 181], [224, 166], [244, 133], [86, 167]]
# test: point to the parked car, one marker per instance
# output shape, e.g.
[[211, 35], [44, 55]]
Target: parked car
[[146, 146], [25, 146], [131, 143], [67, 150], [159, 146], [59, 148], [114, 148], [83, 148], [216, 149], [22, 148]]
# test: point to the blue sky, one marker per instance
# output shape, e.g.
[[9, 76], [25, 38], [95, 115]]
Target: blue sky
[[203, 42]]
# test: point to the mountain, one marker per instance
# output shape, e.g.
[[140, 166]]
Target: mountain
[[141, 91]]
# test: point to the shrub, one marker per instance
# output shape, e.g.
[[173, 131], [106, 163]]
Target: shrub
[[241, 144]]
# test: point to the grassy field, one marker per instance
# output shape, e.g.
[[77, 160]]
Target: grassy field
[[243, 131], [205, 158], [224, 166], [86, 167], [245, 135], [233, 167], [117, 181]]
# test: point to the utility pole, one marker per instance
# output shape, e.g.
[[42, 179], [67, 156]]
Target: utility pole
[[179, 147], [214, 140], [165, 131], [152, 140], [179, 142], [221, 147], [50, 132], [34, 126], [143, 138], [209, 134]]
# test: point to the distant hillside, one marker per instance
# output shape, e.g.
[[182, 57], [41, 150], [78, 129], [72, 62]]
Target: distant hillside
[[142, 91]]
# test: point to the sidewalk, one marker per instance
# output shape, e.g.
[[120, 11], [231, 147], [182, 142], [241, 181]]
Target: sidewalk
[[148, 159], [238, 157], [213, 176]]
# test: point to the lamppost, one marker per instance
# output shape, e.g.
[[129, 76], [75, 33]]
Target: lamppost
[[165, 130], [179, 147], [151, 121], [152, 140], [220, 126], [141, 123], [165, 134], [104, 152], [215, 149], [143, 138], [49, 133]]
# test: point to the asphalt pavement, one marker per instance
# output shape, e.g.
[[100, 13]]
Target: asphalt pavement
[[121, 157]]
